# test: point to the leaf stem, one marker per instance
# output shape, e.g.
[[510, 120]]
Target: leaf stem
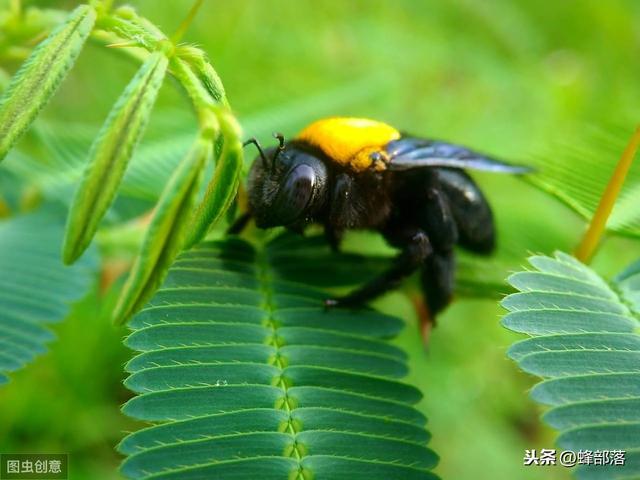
[[136, 31], [592, 237], [279, 361]]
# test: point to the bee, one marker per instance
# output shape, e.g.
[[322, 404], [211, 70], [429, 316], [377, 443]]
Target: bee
[[356, 173]]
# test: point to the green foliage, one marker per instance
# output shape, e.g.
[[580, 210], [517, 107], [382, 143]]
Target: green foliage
[[586, 347], [501, 76], [579, 174], [35, 288], [628, 284], [40, 76], [55, 164], [165, 237], [248, 373], [220, 192], [110, 154], [112, 149]]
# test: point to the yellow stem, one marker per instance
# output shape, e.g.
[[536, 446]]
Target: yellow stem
[[182, 29], [591, 239]]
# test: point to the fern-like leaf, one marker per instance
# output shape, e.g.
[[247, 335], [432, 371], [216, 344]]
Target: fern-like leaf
[[628, 284], [35, 287], [244, 372], [57, 170], [578, 173], [586, 348]]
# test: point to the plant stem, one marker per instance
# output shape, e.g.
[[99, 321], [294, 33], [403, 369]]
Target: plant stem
[[136, 31], [598, 224], [182, 29]]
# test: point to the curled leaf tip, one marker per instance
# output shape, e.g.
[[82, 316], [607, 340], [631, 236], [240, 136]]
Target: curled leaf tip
[[164, 239], [220, 192], [110, 155], [40, 76]]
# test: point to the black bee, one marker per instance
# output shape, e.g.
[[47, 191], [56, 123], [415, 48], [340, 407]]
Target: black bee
[[352, 173]]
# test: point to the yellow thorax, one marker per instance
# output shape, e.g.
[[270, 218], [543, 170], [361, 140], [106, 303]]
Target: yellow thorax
[[350, 141]]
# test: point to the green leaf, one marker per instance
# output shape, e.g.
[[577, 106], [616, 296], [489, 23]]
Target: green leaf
[[585, 345], [204, 71], [110, 155], [35, 288], [41, 75], [223, 186], [242, 371], [165, 236], [64, 145], [628, 283], [578, 173]]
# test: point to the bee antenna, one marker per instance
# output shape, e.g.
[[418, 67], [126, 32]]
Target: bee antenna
[[280, 148], [254, 141]]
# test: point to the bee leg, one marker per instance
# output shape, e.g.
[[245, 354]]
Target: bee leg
[[437, 279], [239, 224], [416, 251], [334, 237], [438, 269]]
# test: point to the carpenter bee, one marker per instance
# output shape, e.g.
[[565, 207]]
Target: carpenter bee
[[355, 173]]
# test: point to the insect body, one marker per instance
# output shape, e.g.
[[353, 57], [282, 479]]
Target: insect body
[[353, 173]]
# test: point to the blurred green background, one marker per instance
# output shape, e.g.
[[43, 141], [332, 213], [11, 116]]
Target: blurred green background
[[509, 77]]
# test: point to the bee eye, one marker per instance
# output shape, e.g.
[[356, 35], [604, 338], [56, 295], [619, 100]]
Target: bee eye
[[295, 193]]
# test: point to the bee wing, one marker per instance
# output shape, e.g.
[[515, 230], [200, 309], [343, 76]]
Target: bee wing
[[409, 153]]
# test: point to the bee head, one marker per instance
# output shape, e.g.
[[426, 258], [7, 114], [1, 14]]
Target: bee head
[[287, 185]]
